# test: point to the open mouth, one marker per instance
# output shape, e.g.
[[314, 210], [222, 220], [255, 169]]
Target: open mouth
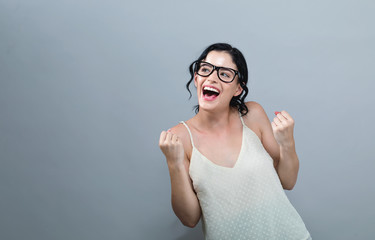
[[210, 93]]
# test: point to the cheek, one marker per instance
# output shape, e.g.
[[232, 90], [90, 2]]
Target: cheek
[[195, 80], [231, 90], [198, 81]]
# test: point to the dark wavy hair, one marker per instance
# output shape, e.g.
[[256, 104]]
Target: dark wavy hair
[[237, 102]]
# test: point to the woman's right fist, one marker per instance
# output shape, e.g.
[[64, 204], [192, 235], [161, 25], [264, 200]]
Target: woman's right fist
[[172, 148]]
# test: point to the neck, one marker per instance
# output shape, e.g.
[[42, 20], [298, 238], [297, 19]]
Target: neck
[[212, 121]]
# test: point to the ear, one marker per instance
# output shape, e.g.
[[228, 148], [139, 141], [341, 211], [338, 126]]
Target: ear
[[195, 80], [238, 90]]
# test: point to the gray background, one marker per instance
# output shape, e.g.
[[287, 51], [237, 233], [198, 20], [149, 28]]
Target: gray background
[[86, 87]]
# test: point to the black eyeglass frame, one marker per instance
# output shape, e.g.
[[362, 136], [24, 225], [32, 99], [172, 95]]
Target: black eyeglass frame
[[197, 66]]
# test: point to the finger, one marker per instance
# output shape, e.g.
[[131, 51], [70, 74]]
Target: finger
[[169, 136], [174, 138], [286, 115], [273, 124], [281, 117], [162, 137], [277, 121]]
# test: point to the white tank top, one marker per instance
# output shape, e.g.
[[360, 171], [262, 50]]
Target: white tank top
[[246, 201]]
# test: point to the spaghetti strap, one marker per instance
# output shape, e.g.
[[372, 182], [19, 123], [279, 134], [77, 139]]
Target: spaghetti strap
[[191, 136]]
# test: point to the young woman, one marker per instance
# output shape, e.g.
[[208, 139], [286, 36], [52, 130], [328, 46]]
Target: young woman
[[228, 164]]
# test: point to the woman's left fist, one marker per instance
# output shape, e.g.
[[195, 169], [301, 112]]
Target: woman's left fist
[[282, 127]]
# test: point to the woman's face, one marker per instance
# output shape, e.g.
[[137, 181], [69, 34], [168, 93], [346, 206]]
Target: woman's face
[[208, 99]]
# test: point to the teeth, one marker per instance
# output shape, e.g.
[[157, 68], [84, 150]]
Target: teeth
[[211, 89]]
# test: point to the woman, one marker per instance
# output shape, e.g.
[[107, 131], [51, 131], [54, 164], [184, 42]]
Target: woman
[[228, 164]]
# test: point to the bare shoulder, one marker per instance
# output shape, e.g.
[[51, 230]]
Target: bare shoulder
[[254, 106], [256, 113], [180, 130], [183, 134]]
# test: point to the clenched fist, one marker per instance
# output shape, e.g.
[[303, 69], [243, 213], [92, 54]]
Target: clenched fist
[[172, 148], [282, 127]]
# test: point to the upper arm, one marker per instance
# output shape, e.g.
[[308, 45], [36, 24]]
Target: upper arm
[[268, 139]]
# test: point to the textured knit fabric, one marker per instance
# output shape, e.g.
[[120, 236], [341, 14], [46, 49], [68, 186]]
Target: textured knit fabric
[[246, 201]]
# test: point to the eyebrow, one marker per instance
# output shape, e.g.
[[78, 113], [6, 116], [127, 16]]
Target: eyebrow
[[204, 62]]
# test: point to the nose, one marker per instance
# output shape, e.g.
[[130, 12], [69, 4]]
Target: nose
[[214, 76]]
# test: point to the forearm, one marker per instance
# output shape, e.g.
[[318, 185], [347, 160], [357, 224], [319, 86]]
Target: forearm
[[288, 166], [185, 203]]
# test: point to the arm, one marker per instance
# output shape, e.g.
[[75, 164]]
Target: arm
[[278, 141], [288, 166], [185, 203]]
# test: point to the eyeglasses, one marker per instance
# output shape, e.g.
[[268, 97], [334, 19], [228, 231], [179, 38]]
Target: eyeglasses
[[205, 69]]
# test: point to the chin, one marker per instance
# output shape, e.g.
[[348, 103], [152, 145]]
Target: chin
[[208, 106]]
